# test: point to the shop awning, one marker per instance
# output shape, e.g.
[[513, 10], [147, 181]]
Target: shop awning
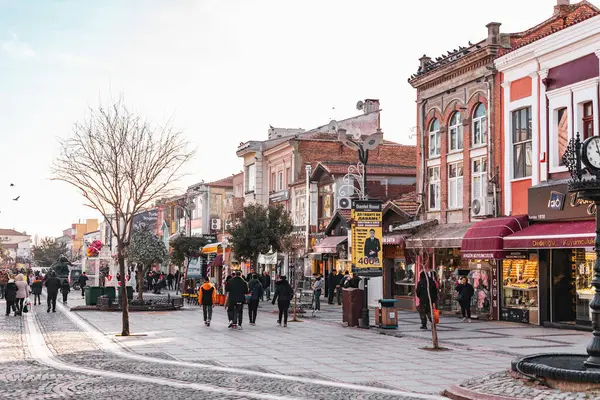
[[214, 248], [551, 235], [439, 237], [267, 259], [329, 244], [394, 239], [485, 239]]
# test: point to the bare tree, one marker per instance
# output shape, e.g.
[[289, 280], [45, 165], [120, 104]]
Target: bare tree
[[121, 163]]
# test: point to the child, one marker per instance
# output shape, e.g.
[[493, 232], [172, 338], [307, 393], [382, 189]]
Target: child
[[65, 289], [36, 288]]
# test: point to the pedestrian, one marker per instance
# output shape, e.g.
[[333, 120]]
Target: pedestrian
[[345, 281], [3, 283], [177, 280], [149, 278], [331, 283], [52, 286], [229, 309], [207, 295], [256, 293], [170, 278], [22, 292], [10, 295], [354, 281], [36, 289], [317, 289], [65, 289], [83, 278], [465, 294], [266, 282], [283, 296], [250, 274], [238, 288], [426, 279]]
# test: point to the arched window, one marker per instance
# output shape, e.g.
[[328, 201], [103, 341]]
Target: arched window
[[455, 132], [479, 126], [434, 138]]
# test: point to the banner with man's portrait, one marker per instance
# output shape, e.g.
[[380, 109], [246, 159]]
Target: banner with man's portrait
[[367, 237]]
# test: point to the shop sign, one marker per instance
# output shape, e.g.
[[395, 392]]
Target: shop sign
[[145, 220], [393, 240], [563, 243], [516, 255], [555, 203], [281, 195], [210, 238], [482, 256], [367, 237]]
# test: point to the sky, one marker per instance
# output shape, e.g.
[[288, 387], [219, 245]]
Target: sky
[[221, 70]]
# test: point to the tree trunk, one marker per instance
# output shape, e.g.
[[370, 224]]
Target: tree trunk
[[140, 282], [123, 289]]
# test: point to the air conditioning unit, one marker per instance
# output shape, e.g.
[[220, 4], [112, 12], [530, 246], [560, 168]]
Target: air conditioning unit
[[482, 206], [344, 203], [215, 224]]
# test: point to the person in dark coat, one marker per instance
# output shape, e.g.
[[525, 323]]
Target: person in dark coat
[[266, 284], [256, 292], [36, 289], [83, 278], [52, 286], [283, 295], [206, 297], [65, 289], [229, 309], [10, 294], [250, 274], [354, 281], [170, 278], [427, 278], [237, 288], [331, 283], [465, 294]]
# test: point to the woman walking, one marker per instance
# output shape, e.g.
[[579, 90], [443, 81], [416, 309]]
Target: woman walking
[[283, 296], [317, 289], [10, 294], [22, 293], [65, 289], [465, 294]]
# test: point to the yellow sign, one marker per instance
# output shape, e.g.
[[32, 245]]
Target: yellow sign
[[367, 237]]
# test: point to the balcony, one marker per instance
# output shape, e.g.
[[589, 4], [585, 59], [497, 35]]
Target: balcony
[[234, 205]]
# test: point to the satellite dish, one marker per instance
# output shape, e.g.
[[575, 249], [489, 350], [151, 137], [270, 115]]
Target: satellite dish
[[372, 141], [333, 126], [360, 105]]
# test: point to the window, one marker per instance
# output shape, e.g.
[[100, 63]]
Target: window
[[563, 132], [479, 186], [250, 177], [273, 182], [455, 132], [588, 120], [521, 134], [434, 138], [280, 180], [433, 190], [455, 185], [479, 126], [288, 173]]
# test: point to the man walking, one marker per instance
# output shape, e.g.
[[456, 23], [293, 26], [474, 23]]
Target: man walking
[[266, 282], [283, 296], [207, 295], [427, 280], [82, 282], [177, 281], [332, 285], [256, 292], [237, 288], [170, 278], [52, 287]]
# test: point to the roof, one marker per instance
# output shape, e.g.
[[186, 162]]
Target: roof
[[407, 203], [439, 236], [11, 245], [11, 232], [225, 182]]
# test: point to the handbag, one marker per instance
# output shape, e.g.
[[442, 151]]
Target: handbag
[[436, 315], [26, 306]]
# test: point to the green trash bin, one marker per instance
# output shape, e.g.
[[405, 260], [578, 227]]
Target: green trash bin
[[129, 292], [110, 292], [88, 296], [91, 295]]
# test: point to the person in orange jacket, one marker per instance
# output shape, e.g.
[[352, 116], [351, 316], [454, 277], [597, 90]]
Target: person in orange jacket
[[207, 295]]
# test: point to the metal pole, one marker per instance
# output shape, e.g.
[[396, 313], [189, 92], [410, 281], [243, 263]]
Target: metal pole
[[593, 348], [307, 238], [363, 157]]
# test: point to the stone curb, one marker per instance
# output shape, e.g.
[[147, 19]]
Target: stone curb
[[458, 393]]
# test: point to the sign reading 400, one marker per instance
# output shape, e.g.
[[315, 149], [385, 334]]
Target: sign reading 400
[[367, 237]]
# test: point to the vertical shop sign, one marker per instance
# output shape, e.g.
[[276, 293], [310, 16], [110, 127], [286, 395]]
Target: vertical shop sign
[[367, 237], [494, 277]]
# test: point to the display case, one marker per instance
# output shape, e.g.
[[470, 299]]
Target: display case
[[584, 273], [520, 290], [449, 269], [404, 279]]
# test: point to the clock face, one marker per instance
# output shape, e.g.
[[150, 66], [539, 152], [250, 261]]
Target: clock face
[[591, 153]]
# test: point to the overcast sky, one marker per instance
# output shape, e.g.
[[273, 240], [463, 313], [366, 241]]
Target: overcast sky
[[223, 69]]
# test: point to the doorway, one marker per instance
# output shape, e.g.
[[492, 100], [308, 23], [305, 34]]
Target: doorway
[[563, 287]]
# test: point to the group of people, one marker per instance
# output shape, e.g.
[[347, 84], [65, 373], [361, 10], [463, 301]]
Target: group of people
[[427, 293], [251, 291], [336, 281]]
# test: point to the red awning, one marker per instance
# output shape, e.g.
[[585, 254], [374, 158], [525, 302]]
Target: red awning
[[218, 261], [485, 239], [549, 235], [329, 244], [394, 239]]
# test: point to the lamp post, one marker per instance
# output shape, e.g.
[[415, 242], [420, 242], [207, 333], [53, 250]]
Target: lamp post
[[362, 146]]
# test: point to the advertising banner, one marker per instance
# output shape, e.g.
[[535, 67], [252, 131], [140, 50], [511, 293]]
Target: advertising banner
[[367, 237]]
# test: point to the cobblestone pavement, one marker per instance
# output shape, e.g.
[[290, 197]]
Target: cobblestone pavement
[[503, 384], [23, 377]]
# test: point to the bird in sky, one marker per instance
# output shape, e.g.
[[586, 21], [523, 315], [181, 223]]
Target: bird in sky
[[17, 198], [12, 184]]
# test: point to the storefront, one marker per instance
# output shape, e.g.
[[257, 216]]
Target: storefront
[[398, 272], [484, 254], [329, 254], [549, 280]]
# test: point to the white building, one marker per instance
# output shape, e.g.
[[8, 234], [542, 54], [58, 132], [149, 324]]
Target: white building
[[17, 244]]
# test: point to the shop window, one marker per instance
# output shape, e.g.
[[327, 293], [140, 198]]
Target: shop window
[[326, 197], [455, 185], [273, 181], [520, 289], [434, 138], [433, 191], [521, 138], [449, 265], [562, 129], [588, 120], [583, 265], [479, 126], [404, 278], [250, 177], [288, 174], [455, 132], [479, 177]]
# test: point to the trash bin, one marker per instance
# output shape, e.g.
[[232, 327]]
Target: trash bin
[[353, 301], [110, 292], [91, 295], [389, 314], [129, 291]]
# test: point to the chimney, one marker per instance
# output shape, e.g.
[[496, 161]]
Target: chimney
[[493, 33], [424, 61], [371, 105], [562, 7]]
